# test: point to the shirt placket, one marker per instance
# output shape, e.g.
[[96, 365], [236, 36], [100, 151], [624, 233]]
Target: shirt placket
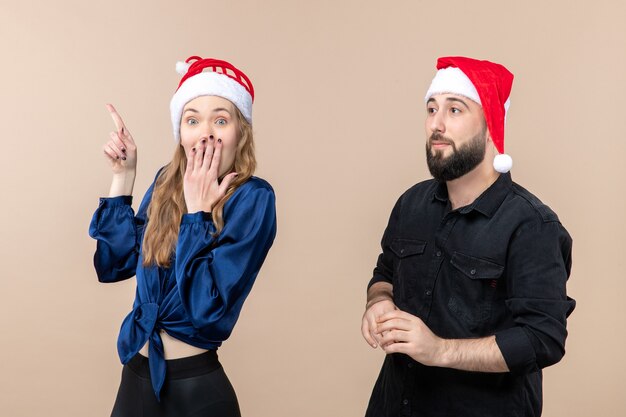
[[437, 257], [408, 398]]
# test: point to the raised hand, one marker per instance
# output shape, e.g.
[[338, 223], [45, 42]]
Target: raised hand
[[120, 150], [201, 186]]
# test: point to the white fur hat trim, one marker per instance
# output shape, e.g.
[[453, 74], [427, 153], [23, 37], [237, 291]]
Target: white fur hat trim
[[452, 80], [209, 84]]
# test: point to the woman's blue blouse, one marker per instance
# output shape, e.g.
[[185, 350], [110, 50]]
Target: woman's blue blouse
[[199, 297]]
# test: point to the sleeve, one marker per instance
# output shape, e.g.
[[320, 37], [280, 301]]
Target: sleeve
[[215, 274], [539, 264], [117, 230], [383, 272]]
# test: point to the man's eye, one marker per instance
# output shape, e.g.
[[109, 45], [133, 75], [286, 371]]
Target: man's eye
[[431, 110], [455, 110]]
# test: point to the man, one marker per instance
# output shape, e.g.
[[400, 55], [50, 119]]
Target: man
[[468, 297]]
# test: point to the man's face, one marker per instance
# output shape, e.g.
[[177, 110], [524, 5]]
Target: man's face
[[457, 136]]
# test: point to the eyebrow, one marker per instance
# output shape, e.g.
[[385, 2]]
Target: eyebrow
[[432, 100], [212, 111], [221, 109], [458, 100]]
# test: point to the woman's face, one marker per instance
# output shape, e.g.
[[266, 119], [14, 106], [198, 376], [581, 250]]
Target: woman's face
[[210, 118]]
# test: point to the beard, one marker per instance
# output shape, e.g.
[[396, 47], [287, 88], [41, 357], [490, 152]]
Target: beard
[[460, 162]]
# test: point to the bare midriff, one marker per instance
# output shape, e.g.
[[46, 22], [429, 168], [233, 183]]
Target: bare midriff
[[173, 348]]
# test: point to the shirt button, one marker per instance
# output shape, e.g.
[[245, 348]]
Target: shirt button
[[438, 253], [401, 251], [473, 272], [405, 401], [410, 365], [428, 293]]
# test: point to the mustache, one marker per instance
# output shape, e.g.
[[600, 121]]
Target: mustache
[[436, 136]]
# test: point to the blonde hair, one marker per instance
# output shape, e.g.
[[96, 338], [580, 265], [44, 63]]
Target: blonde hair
[[168, 200]]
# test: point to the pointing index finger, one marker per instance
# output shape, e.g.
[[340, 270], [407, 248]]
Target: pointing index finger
[[117, 119]]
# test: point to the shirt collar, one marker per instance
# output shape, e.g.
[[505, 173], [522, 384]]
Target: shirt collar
[[486, 203]]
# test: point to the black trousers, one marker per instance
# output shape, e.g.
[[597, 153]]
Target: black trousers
[[194, 387]]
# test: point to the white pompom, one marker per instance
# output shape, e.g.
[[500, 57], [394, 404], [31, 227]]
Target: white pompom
[[502, 163], [182, 67]]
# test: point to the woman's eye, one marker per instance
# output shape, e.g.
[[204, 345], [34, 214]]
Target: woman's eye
[[192, 122], [220, 122]]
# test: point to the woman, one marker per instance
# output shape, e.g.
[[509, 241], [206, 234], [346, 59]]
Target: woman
[[195, 245]]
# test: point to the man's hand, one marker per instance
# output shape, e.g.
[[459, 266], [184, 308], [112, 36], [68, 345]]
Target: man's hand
[[401, 332], [370, 318], [379, 302]]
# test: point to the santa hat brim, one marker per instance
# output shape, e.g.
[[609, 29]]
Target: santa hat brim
[[452, 81], [209, 84]]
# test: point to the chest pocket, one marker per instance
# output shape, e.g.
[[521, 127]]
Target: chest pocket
[[474, 283], [409, 266], [407, 247]]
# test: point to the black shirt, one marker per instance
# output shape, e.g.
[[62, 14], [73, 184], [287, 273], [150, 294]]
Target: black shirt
[[495, 267]]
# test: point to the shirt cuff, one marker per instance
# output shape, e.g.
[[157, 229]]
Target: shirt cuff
[[197, 217], [377, 278], [122, 200], [517, 350]]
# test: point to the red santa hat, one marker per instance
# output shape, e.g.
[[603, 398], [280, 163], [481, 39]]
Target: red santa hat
[[484, 82], [210, 77]]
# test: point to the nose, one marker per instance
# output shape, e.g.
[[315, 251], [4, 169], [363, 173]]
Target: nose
[[435, 122], [207, 135]]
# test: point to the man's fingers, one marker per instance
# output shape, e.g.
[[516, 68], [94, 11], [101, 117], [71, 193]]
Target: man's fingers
[[396, 348], [394, 336], [365, 331], [373, 335], [372, 329], [393, 324], [394, 314]]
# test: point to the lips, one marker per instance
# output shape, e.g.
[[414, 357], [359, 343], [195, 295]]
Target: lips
[[439, 144]]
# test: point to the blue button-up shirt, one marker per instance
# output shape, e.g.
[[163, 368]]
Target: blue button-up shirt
[[199, 297]]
